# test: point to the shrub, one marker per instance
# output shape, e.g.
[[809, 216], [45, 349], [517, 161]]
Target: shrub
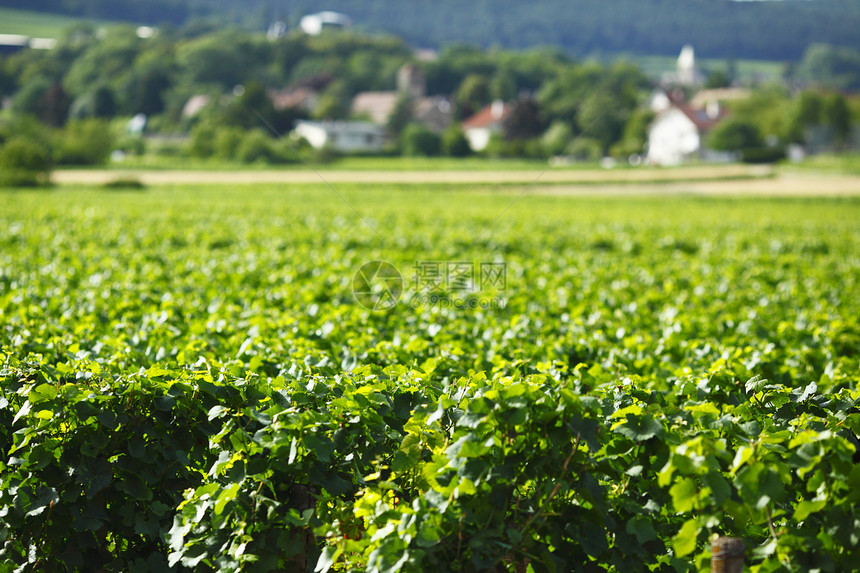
[[584, 149], [24, 162], [131, 145], [83, 142], [763, 154], [226, 142], [96, 482], [454, 143], [125, 184], [202, 143], [418, 141], [734, 135], [557, 137], [256, 146]]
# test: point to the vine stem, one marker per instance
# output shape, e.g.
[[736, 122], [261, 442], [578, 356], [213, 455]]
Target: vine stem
[[770, 522], [557, 487]]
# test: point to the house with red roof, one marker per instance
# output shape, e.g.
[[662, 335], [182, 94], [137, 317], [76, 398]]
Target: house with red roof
[[479, 128]]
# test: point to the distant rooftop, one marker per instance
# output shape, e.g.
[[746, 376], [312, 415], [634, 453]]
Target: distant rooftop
[[14, 42], [313, 24]]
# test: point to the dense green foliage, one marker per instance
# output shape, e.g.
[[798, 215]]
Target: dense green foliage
[[235, 78], [120, 75], [187, 380], [758, 30]]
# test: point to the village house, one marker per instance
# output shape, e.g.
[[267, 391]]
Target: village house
[[677, 134], [11, 43], [314, 24], [302, 97], [375, 106], [437, 113], [480, 127], [343, 136]]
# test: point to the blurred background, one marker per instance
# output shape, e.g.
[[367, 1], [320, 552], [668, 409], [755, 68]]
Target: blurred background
[[177, 82]]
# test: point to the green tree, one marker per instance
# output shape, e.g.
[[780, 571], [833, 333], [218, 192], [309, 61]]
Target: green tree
[[806, 112], [145, 91], [561, 97], [29, 99], [257, 146], [636, 128], [735, 135], [454, 143], [83, 142], [106, 61], [831, 67], [225, 59], [503, 86], [602, 117], [524, 122], [44, 100], [584, 149], [718, 79], [250, 108], [767, 108], [837, 116], [8, 82], [418, 141], [202, 142], [226, 143], [557, 137], [401, 116], [24, 161], [334, 103], [99, 102], [472, 95]]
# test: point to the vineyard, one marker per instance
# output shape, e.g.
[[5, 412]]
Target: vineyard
[[212, 378]]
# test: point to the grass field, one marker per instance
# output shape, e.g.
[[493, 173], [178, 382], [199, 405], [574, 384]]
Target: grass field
[[219, 377], [37, 24], [746, 70]]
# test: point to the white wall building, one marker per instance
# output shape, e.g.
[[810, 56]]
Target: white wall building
[[677, 135], [673, 138], [313, 24], [344, 136]]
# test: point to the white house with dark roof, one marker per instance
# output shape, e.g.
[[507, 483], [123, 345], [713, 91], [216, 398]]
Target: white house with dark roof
[[314, 24], [678, 132], [344, 136]]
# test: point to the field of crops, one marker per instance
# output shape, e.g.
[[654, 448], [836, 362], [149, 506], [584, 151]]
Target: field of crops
[[212, 378]]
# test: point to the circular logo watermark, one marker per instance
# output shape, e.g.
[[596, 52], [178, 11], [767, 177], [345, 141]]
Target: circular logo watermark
[[377, 285]]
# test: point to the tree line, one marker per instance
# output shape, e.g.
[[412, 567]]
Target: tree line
[[73, 99]]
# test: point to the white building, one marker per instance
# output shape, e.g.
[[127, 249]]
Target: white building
[[678, 132], [686, 72], [344, 136], [313, 24]]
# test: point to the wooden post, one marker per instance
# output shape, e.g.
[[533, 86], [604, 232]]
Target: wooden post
[[727, 555]]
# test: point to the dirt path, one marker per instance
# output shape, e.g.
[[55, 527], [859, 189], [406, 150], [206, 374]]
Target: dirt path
[[804, 185], [706, 180], [306, 176]]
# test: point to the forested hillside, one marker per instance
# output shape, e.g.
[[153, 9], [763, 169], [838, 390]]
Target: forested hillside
[[719, 28]]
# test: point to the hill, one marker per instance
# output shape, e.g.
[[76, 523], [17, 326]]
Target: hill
[[775, 30], [39, 24]]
